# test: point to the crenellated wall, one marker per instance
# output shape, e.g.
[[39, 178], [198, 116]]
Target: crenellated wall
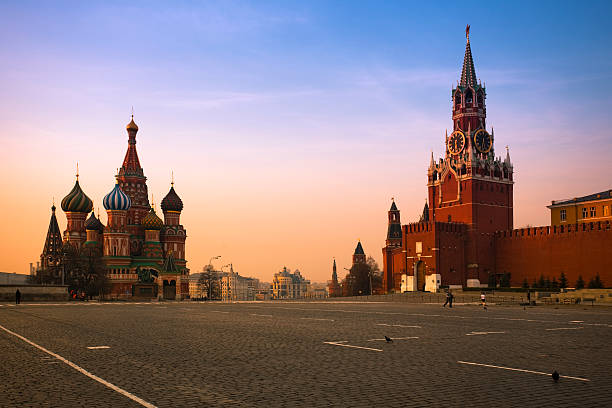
[[575, 249]]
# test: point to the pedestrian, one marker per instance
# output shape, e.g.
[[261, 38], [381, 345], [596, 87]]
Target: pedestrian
[[17, 297], [528, 297], [449, 299], [483, 300]]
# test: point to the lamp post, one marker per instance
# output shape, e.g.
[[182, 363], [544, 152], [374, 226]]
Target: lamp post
[[228, 280], [210, 270]]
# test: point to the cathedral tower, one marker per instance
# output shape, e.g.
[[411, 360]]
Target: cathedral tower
[[94, 229], [133, 182], [76, 205], [51, 256], [152, 224], [173, 234], [116, 235]]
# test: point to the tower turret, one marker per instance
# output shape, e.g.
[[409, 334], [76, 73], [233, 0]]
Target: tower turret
[[333, 287], [394, 230], [359, 256]]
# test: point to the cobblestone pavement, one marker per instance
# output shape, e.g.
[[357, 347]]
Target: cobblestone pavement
[[304, 354]]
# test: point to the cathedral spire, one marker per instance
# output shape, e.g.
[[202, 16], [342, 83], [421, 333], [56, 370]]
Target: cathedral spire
[[51, 255], [131, 164], [468, 74]]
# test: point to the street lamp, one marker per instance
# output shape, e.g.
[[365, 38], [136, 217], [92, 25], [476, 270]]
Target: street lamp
[[210, 270]]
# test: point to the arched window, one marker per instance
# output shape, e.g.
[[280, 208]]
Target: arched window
[[457, 100], [468, 97], [480, 100]]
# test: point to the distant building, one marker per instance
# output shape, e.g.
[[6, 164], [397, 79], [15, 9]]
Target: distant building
[[196, 290], [9, 278], [236, 287], [287, 285], [578, 210]]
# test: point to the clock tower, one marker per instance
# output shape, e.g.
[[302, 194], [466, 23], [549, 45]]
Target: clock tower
[[470, 185]]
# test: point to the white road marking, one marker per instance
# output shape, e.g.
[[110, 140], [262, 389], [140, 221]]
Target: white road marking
[[98, 347], [314, 318], [83, 371], [521, 370], [480, 333], [395, 338], [339, 343], [576, 321], [397, 325], [566, 328], [265, 315], [218, 311]]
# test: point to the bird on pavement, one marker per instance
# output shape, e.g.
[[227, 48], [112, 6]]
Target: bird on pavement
[[555, 376], [388, 339]]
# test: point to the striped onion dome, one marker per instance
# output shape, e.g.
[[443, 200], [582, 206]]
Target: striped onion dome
[[76, 200], [151, 221], [117, 200], [172, 202], [93, 223]]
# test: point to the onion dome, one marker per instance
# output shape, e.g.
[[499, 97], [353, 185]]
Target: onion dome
[[132, 125], [76, 200], [117, 200], [151, 221], [172, 202], [93, 223]]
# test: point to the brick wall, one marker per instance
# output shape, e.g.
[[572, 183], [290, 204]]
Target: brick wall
[[576, 249]]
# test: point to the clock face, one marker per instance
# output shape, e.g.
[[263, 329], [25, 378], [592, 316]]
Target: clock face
[[456, 142], [483, 141]]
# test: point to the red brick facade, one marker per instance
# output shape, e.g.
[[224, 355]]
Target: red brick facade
[[575, 249]]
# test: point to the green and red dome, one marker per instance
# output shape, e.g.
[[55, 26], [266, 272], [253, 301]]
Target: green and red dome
[[151, 221], [76, 200]]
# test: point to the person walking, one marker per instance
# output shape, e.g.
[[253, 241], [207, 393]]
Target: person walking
[[483, 300], [449, 299], [528, 297], [17, 297]]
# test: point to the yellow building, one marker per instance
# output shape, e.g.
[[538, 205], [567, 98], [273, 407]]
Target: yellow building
[[591, 208]]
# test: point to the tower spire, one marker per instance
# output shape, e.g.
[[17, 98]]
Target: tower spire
[[468, 74]]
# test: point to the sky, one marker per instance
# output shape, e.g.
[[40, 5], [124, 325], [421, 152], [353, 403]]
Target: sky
[[290, 125]]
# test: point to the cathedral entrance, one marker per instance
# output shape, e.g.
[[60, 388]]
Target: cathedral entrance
[[420, 276], [170, 290]]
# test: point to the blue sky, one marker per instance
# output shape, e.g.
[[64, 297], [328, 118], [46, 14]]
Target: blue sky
[[277, 111]]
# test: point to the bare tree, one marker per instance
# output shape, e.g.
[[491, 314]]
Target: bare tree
[[210, 281]]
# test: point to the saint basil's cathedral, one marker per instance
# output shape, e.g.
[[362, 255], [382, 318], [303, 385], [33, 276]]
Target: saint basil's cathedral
[[143, 255]]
